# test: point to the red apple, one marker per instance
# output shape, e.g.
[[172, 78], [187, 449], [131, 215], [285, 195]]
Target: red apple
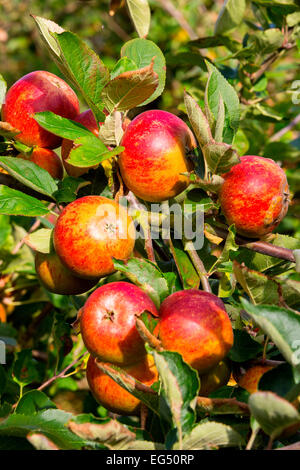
[[254, 196], [90, 232], [35, 92], [88, 120], [56, 278], [46, 159], [107, 322], [114, 397], [195, 324], [156, 143]]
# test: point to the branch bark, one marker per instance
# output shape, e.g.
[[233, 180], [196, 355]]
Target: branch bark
[[259, 246]]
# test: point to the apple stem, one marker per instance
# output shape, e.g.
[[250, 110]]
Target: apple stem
[[199, 266], [147, 336]]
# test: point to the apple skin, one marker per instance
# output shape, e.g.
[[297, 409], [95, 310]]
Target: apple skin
[[56, 278], [114, 397], [108, 319], [88, 120], [216, 378], [35, 92], [155, 144], [195, 324], [46, 159], [254, 196], [250, 380], [90, 232], [2, 314]]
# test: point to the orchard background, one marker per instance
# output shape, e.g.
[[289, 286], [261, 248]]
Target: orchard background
[[238, 62]]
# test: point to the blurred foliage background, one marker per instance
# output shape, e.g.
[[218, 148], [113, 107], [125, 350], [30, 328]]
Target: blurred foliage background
[[269, 103], [260, 59]]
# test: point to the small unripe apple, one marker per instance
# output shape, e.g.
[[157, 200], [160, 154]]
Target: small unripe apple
[[56, 278], [108, 322], [114, 397], [216, 378], [90, 232], [2, 314], [155, 156], [88, 120], [195, 324], [46, 159], [254, 196], [35, 92], [250, 379]]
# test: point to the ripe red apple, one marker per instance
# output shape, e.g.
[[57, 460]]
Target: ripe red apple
[[195, 324], [35, 92], [114, 397], [90, 232], [107, 322], [254, 196], [88, 120], [216, 378], [46, 159], [156, 143], [250, 379], [56, 278]]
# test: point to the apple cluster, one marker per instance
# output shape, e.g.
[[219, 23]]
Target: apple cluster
[[93, 230]]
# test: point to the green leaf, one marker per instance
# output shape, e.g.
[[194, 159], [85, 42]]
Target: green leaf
[[67, 189], [273, 413], [146, 275], [130, 89], [218, 86], [13, 202], [229, 247], [142, 51], [29, 174], [188, 275], [32, 402], [112, 434], [77, 62], [40, 240], [85, 69], [63, 127], [231, 15], [211, 435], [180, 387], [123, 65], [3, 87], [198, 120], [266, 42], [25, 368], [141, 16], [88, 150], [278, 380], [244, 347], [283, 327], [51, 423]]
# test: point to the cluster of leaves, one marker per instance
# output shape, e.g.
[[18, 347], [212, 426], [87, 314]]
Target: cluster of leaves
[[40, 340]]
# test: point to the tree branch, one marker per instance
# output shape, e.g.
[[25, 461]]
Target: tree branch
[[259, 246], [168, 6]]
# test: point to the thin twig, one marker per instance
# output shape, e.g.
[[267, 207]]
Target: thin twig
[[147, 336], [199, 266], [259, 246], [168, 6], [62, 373], [286, 129]]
